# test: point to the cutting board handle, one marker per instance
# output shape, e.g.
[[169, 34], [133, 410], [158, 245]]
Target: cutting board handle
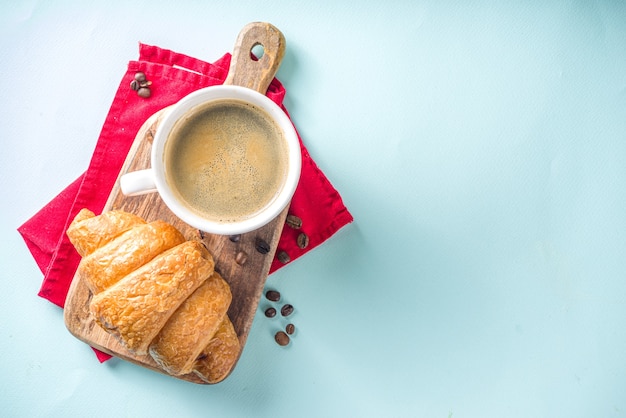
[[248, 71]]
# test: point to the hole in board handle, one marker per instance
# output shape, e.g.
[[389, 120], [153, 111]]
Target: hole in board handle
[[257, 51]]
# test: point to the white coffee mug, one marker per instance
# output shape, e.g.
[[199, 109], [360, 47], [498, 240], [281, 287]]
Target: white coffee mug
[[154, 178]]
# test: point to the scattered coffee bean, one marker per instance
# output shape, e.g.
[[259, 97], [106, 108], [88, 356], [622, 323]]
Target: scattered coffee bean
[[141, 85], [270, 312], [283, 257], [273, 295], [302, 240], [286, 310], [201, 233], [262, 246], [291, 328], [294, 222], [281, 338], [234, 238], [241, 258], [144, 92]]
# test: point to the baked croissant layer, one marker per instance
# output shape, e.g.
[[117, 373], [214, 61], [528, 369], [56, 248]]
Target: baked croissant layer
[[126, 253], [192, 326], [88, 232], [216, 360]]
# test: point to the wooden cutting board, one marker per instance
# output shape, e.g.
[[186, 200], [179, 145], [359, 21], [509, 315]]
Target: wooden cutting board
[[237, 260]]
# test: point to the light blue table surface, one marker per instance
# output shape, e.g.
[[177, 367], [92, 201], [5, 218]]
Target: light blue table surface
[[480, 146]]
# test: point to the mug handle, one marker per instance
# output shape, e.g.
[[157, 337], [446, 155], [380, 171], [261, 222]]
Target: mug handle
[[138, 183]]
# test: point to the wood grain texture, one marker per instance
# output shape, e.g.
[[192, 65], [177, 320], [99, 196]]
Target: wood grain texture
[[246, 279]]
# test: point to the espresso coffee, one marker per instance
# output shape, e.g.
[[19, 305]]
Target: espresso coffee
[[226, 160]]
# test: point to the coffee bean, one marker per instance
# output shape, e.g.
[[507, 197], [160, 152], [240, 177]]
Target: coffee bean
[[235, 238], [291, 328], [262, 246], [144, 92], [281, 338], [283, 257], [201, 233], [286, 310], [302, 240], [139, 76], [241, 258], [270, 312], [294, 222], [134, 85], [273, 295]]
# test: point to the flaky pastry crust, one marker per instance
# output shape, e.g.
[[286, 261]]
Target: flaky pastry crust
[[110, 263], [88, 232], [136, 308], [219, 356], [192, 326]]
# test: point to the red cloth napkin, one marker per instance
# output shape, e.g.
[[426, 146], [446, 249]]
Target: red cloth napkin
[[173, 75]]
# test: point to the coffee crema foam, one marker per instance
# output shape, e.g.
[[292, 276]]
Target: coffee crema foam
[[226, 160]]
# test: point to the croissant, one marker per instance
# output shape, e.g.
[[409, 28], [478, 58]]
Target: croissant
[[192, 326], [156, 292]]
